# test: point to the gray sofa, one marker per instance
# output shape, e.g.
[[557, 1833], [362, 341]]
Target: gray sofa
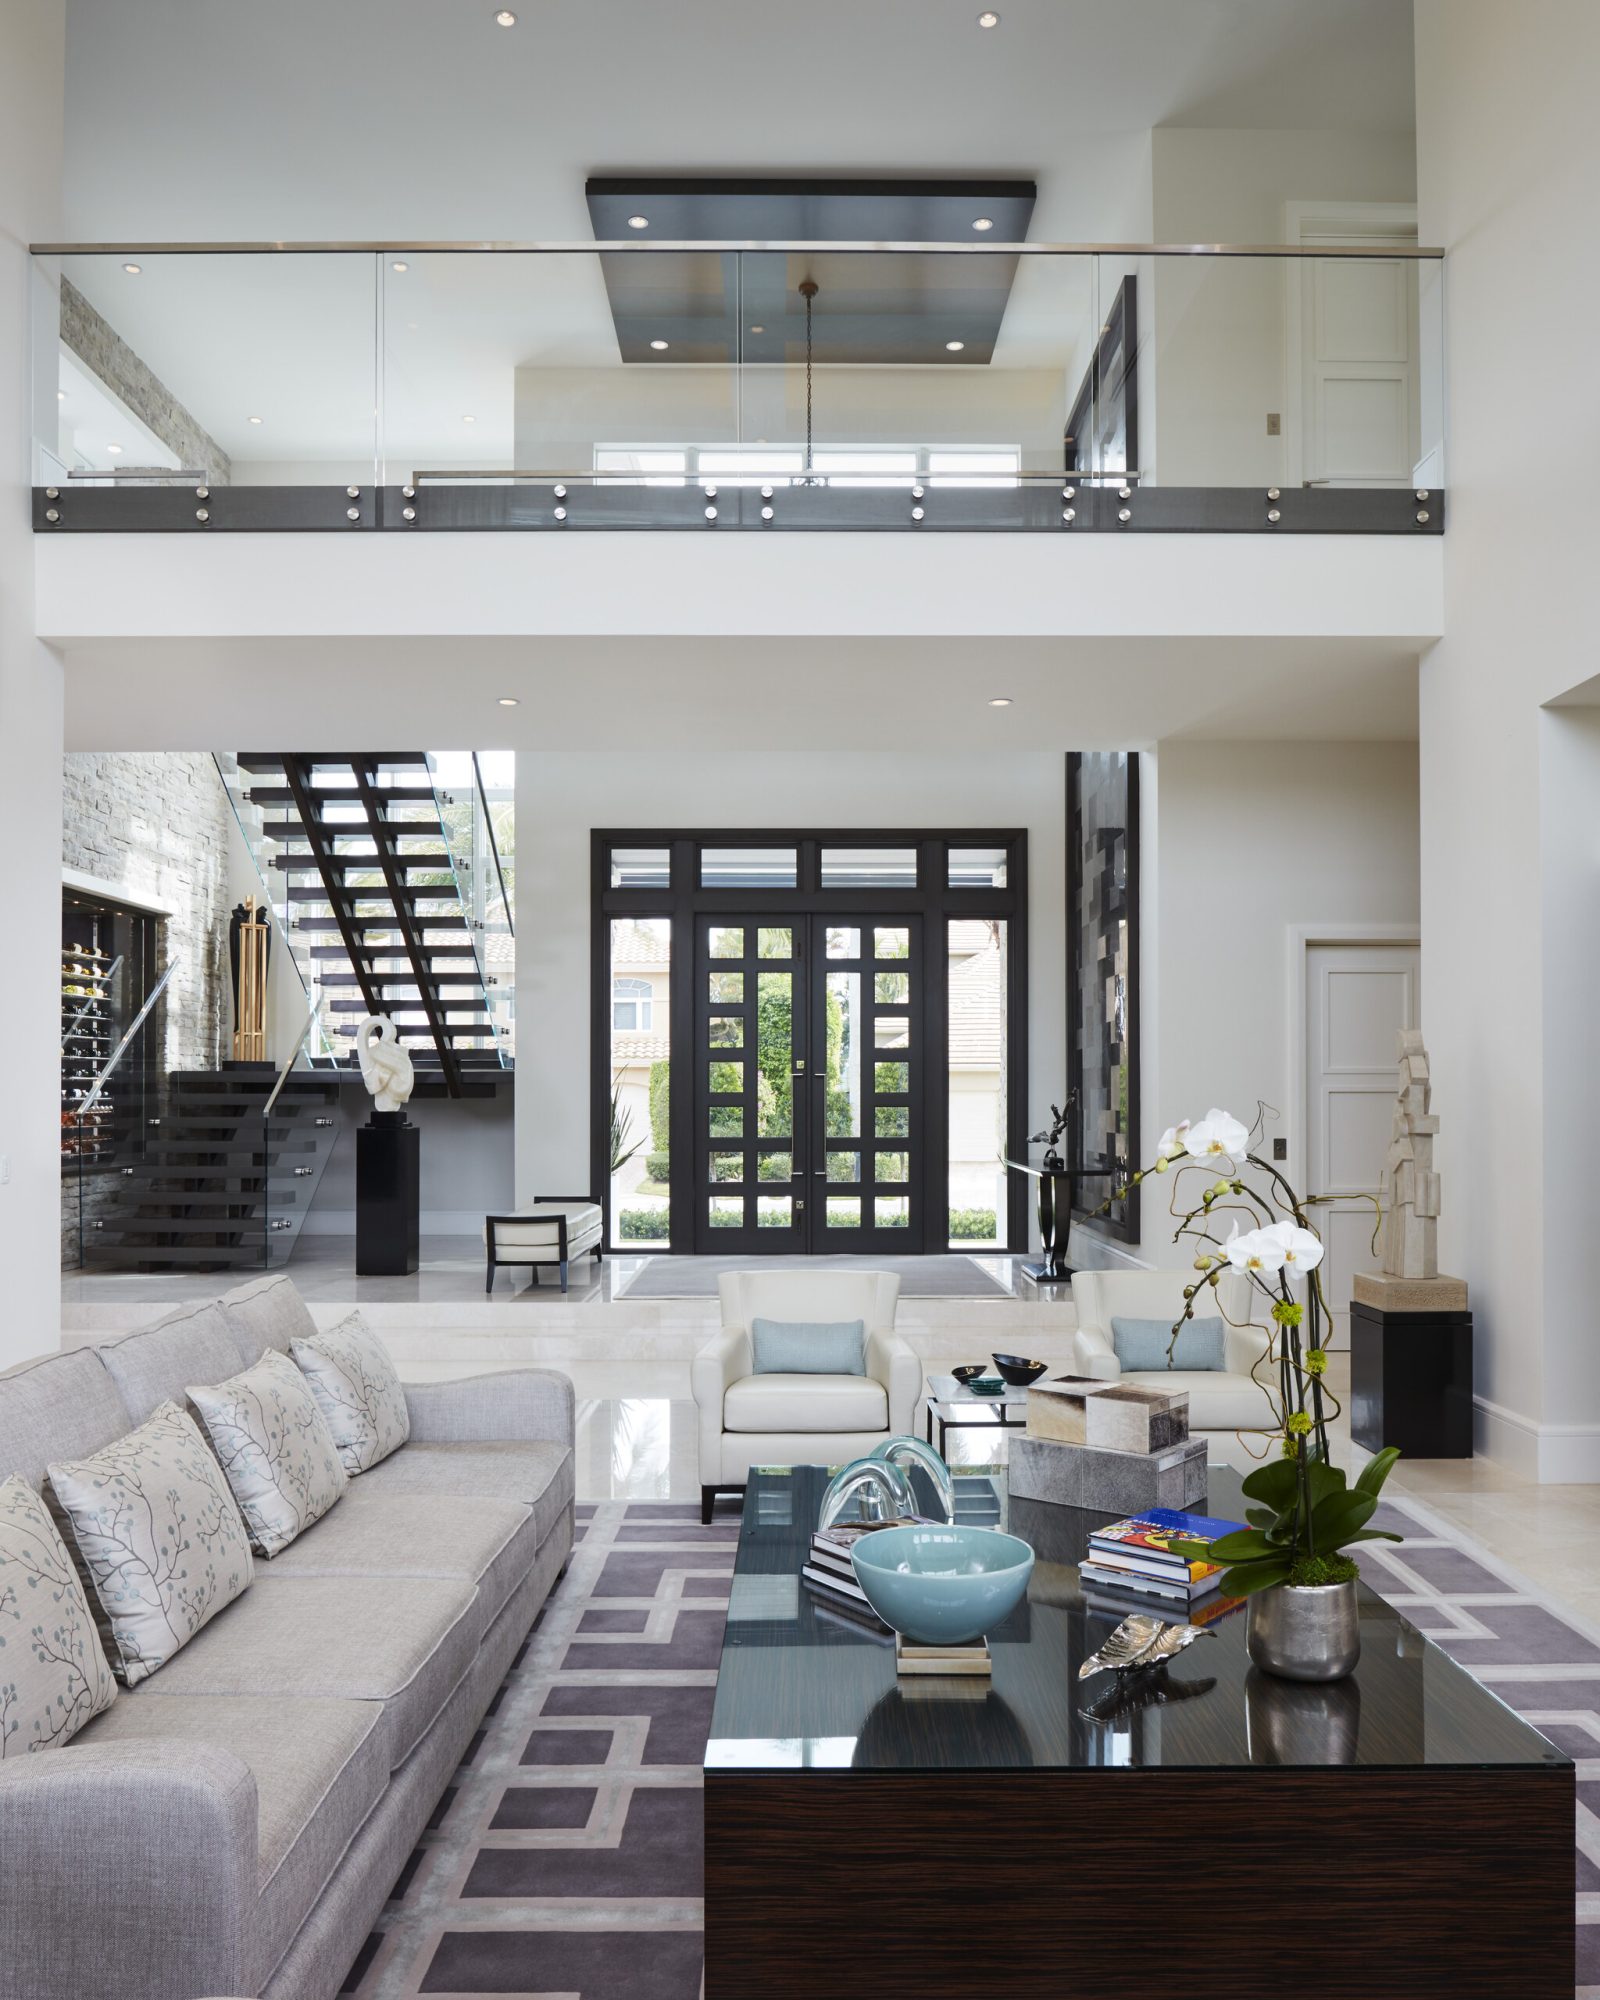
[[235, 1823]]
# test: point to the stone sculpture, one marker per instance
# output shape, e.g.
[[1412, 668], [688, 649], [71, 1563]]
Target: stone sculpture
[[1410, 1193], [385, 1063]]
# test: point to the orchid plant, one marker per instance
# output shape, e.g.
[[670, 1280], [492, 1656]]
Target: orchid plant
[[1309, 1516]]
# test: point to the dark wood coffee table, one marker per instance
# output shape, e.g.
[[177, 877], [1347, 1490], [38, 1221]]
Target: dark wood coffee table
[[1219, 1832]]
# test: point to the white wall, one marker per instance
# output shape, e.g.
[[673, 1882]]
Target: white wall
[[1252, 842], [1498, 801], [561, 798], [31, 36], [466, 1163]]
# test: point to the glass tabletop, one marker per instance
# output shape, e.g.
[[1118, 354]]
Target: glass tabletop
[[802, 1687], [946, 1390]]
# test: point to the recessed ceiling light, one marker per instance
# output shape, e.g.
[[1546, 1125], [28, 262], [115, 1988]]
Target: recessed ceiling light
[[660, 346], [954, 346], [255, 420], [505, 18], [758, 329], [469, 420], [399, 265], [133, 270], [982, 224], [115, 450], [638, 222], [1000, 701], [61, 395], [509, 700], [988, 18]]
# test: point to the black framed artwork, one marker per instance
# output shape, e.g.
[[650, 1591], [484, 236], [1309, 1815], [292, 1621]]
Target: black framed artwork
[[1102, 429], [1103, 976]]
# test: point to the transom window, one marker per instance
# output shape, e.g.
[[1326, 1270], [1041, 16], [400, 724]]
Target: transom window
[[631, 1002]]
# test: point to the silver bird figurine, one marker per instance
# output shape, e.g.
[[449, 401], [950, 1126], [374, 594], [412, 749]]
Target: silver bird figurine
[[1140, 1641]]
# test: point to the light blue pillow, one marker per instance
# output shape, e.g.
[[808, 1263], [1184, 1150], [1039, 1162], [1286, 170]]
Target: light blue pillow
[[809, 1347], [1141, 1344]]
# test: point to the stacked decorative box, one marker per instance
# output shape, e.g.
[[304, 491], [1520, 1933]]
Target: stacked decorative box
[[1113, 1446]]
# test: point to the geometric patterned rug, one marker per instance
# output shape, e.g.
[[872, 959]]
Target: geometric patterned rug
[[566, 1857]]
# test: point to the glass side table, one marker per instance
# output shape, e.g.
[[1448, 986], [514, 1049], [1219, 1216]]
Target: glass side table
[[954, 1407]]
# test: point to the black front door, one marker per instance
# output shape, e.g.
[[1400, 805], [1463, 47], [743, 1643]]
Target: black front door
[[809, 1071]]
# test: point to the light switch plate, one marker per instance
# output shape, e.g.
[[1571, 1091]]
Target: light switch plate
[[1274, 424], [1280, 1149]]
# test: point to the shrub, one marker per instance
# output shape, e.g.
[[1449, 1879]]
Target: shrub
[[660, 1101], [642, 1225], [657, 1167], [972, 1225]]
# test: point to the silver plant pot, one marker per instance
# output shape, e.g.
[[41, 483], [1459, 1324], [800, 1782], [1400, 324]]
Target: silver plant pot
[[1305, 1634]]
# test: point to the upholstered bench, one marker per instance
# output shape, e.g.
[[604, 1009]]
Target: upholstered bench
[[553, 1229]]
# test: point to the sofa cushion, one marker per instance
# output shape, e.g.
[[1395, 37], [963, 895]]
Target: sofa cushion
[[489, 1543], [1144, 1343], [534, 1228], [64, 1406], [403, 1641], [155, 1364], [805, 1403], [53, 1672], [539, 1475], [158, 1535], [357, 1391], [267, 1312], [275, 1448], [809, 1346], [319, 1769]]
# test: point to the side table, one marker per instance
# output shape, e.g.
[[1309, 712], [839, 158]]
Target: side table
[[1411, 1365]]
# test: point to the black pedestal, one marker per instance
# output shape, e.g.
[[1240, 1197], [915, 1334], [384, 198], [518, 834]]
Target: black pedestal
[[1411, 1381], [388, 1196]]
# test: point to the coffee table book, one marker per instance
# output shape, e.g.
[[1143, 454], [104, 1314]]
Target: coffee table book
[[988, 1813]]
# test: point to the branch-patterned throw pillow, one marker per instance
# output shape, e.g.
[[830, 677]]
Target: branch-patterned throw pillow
[[357, 1391], [158, 1536], [275, 1449], [53, 1672]]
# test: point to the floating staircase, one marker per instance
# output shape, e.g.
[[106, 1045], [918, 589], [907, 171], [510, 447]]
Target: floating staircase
[[377, 910], [203, 1187]]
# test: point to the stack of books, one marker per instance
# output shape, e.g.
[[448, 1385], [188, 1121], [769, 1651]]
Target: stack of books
[[828, 1572], [1134, 1561]]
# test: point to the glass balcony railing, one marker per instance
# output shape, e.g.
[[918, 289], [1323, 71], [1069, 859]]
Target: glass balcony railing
[[768, 388]]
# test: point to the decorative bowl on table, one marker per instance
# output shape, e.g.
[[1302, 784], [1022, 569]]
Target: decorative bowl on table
[[942, 1586], [1018, 1370], [987, 1385], [969, 1372]]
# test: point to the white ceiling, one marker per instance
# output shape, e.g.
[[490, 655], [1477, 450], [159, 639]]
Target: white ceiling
[[892, 695]]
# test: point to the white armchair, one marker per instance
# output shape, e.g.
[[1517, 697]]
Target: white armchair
[[1228, 1400], [748, 1419]]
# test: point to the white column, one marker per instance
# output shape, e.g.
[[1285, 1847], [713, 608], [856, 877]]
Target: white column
[[1508, 165], [31, 97]]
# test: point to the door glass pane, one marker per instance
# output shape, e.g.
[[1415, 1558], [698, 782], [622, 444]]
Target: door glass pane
[[843, 942], [640, 976], [892, 989], [727, 1166], [892, 1121], [844, 1166], [976, 978], [775, 1166], [844, 1211], [641, 868], [892, 943], [891, 1031], [977, 868], [726, 1076], [889, 1079], [727, 1121], [893, 1167], [747, 867], [726, 942], [726, 1214], [775, 1055], [892, 1211], [727, 986], [869, 868], [727, 1031], [843, 1112], [774, 1211], [775, 943]]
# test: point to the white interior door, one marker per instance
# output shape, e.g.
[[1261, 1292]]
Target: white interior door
[[1357, 997]]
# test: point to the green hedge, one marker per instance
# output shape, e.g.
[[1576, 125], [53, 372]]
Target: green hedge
[[642, 1225], [657, 1167], [972, 1225], [660, 1100]]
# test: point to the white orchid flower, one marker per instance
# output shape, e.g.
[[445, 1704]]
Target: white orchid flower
[[1258, 1251], [1302, 1248], [1218, 1137], [1174, 1141]]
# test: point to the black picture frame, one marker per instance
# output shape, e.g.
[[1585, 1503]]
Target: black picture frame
[[1103, 993], [1102, 427]]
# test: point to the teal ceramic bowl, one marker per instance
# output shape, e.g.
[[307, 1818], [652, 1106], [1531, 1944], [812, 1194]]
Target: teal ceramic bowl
[[942, 1586]]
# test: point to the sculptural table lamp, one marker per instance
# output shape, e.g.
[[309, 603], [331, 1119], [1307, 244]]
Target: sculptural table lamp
[[388, 1157]]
